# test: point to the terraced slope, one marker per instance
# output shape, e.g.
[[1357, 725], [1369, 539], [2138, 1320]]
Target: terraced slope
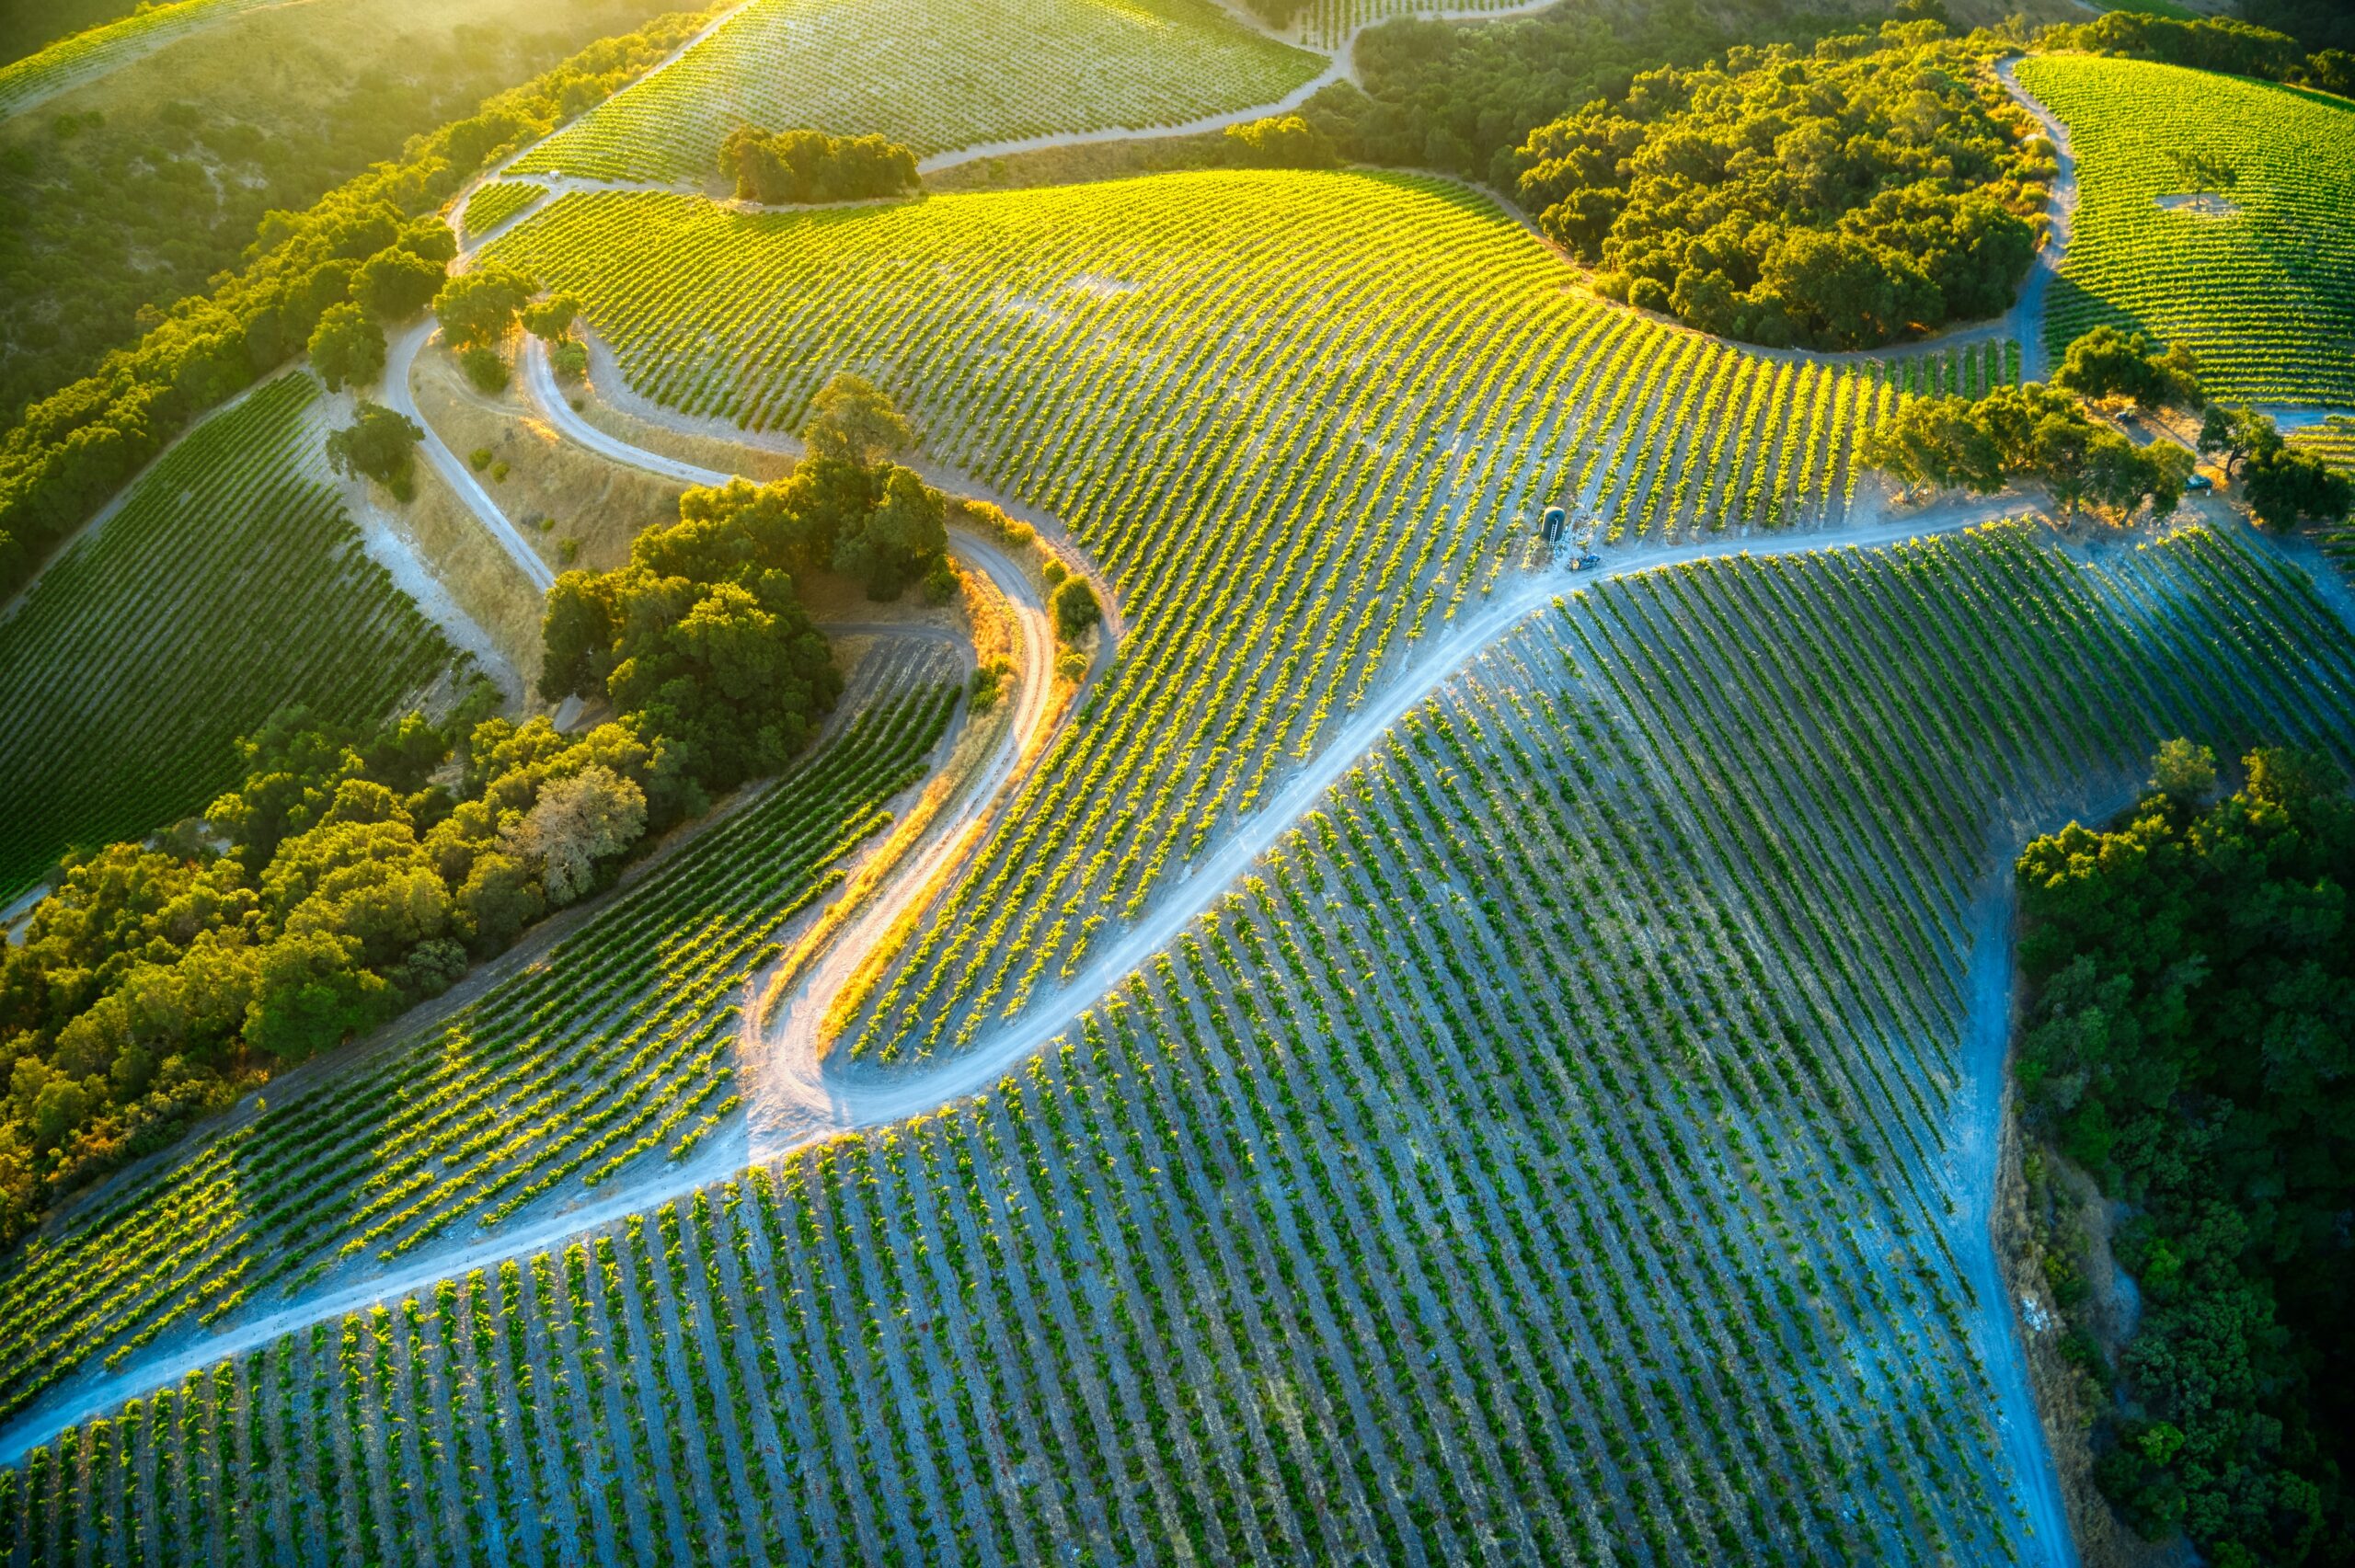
[[230, 583], [2261, 288], [1543, 1157], [1300, 421], [932, 77], [615, 1048]]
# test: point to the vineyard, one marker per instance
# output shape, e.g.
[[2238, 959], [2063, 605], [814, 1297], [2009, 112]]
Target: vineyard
[[617, 1048], [2260, 282], [1301, 420], [1540, 1156], [229, 583], [494, 203], [932, 77], [72, 61]]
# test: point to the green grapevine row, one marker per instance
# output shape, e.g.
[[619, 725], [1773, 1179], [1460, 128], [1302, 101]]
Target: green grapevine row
[[1300, 419], [933, 77], [229, 584], [618, 1046], [1538, 1157], [2264, 295]]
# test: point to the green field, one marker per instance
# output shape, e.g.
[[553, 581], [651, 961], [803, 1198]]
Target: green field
[[1301, 420], [617, 1047], [2265, 294], [70, 60], [1540, 1155], [947, 75], [231, 584]]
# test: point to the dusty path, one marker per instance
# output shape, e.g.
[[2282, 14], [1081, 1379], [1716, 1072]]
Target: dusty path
[[2026, 319], [400, 355]]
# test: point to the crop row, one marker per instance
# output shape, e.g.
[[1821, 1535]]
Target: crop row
[[946, 75], [1301, 420], [617, 1046], [2259, 278], [72, 61], [1539, 1157], [229, 584]]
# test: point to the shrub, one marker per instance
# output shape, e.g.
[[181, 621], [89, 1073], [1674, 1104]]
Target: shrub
[[486, 368], [380, 444], [1076, 609], [1071, 665]]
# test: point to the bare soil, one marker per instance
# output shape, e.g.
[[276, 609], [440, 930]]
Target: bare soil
[[554, 491]]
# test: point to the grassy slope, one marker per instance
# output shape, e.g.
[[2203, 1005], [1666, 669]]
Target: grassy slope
[[943, 75], [229, 584], [2265, 297], [1295, 443], [1545, 1152], [198, 141]]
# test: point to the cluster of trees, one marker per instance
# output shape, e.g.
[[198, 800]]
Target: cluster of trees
[[2190, 1042], [1462, 99], [1280, 142], [348, 877], [75, 448], [380, 444], [2044, 434], [701, 641], [795, 167], [1866, 190], [2229, 44], [2282, 485]]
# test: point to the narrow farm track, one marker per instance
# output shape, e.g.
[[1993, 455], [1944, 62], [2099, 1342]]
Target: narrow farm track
[[399, 359], [2026, 321], [810, 1097]]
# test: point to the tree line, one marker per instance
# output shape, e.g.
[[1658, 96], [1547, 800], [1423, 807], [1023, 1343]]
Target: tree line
[[76, 448], [2189, 1041], [2047, 435]]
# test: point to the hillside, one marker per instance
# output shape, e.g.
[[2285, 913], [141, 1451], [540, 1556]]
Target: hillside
[[2212, 212]]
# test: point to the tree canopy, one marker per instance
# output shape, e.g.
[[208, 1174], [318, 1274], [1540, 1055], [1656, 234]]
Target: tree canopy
[[337, 885], [2190, 1042], [796, 167], [2033, 432], [1861, 193], [379, 443]]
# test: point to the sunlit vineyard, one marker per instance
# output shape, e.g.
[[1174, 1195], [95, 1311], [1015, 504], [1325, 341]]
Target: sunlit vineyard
[[71, 61], [231, 583], [946, 75], [1301, 420], [1540, 1156], [493, 204], [2265, 294], [619, 1046], [1330, 24]]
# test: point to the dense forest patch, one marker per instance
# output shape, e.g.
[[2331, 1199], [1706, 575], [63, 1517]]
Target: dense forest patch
[[1865, 191], [2188, 1044]]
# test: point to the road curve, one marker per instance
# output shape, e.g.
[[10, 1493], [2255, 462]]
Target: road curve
[[399, 357]]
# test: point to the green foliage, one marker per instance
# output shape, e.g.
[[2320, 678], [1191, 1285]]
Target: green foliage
[[1285, 142], [1076, 609], [2204, 43], [853, 422], [381, 445], [2282, 484], [2033, 432], [74, 449], [347, 347], [394, 285], [700, 641], [796, 167], [153, 983], [2190, 1044], [551, 318], [2107, 364], [479, 305], [568, 357], [1855, 195], [486, 370]]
